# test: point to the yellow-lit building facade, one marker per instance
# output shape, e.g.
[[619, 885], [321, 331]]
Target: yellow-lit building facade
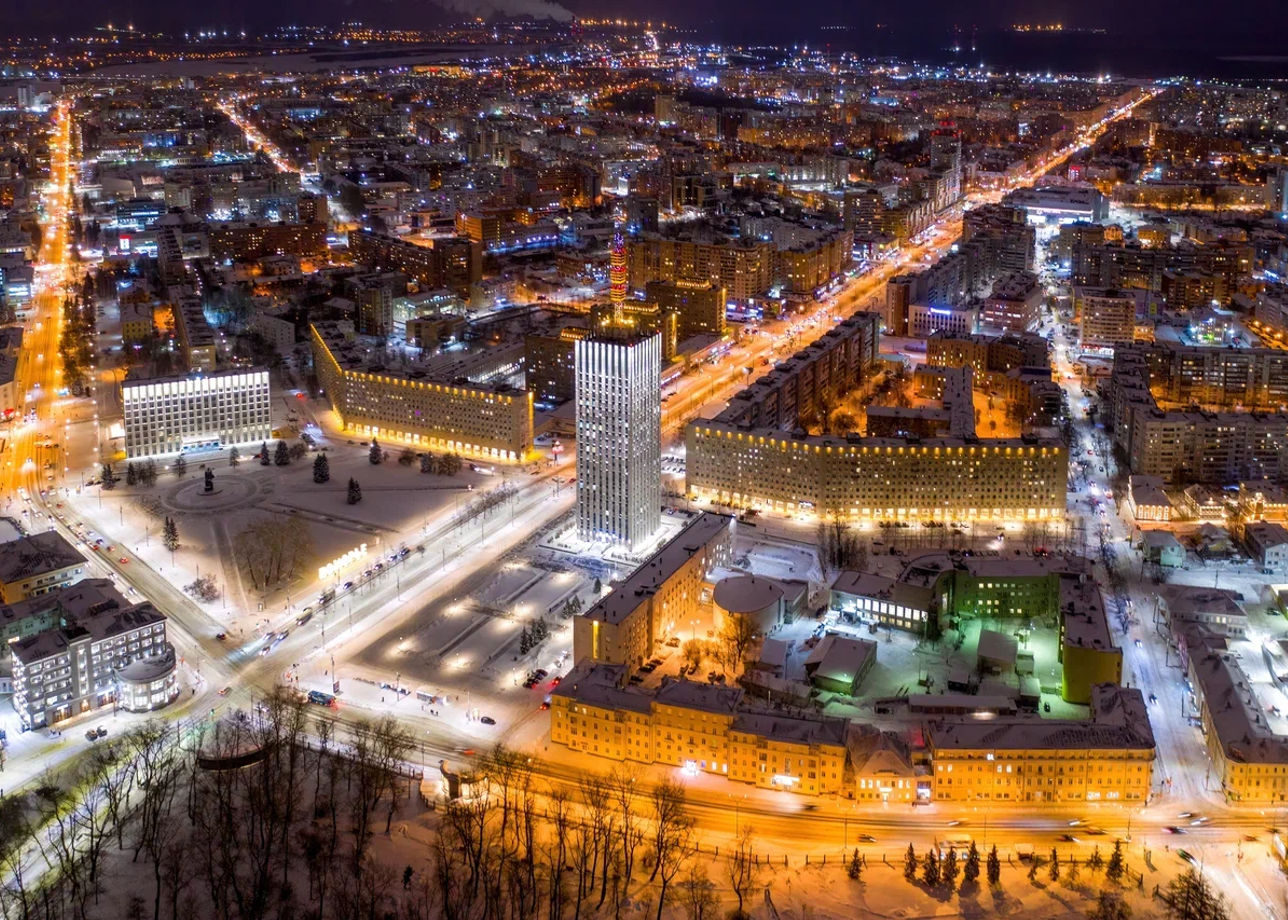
[[697, 728], [877, 479], [473, 421], [1048, 761], [663, 597]]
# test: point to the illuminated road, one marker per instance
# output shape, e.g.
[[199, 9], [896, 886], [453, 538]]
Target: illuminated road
[[39, 372]]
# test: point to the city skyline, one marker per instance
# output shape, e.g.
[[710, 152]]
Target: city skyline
[[588, 468]]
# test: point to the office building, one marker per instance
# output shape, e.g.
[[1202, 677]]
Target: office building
[[112, 651], [37, 564], [429, 408], [196, 413], [660, 599], [619, 436], [1061, 203]]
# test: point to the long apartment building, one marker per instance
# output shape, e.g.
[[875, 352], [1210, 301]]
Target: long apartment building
[[1225, 422], [697, 726], [658, 599], [438, 409], [744, 268], [103, 649], [196, 413], [1248, 757], [1108, 758], [1118, 264], [244, 241], [755, 455]]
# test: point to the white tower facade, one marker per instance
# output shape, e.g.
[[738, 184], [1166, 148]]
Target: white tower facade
[[619, 437]]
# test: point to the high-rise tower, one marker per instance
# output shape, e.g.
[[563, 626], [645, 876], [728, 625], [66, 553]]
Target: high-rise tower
[[619, 435]]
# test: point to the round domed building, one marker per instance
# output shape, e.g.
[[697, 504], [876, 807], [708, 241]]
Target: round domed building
[[758, 599]]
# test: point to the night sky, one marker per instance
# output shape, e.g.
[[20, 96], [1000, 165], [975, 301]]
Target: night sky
[[1156, 27]]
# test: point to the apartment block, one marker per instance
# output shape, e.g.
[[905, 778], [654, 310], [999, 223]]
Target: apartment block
[[435, 412], [1108, 758], [451, 262], [112, 651], [658, 599], [37, 564]]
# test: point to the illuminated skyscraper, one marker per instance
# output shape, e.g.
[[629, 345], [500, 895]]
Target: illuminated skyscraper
[[619, 436]]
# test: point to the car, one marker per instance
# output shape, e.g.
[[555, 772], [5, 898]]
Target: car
[[1077, 822], [225, 691], [1199, 820], [1138, 645], [545, 704], [221, 636], [1173, 829], [124, 561], [956, 822], [487, 720], [867, 838], [304, 618], [1186, 855], [348, 585]]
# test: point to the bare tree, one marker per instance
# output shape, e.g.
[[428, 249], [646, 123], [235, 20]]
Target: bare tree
[[737, 633], [271, 550], [740, 864], [672, 836], [698, 895]]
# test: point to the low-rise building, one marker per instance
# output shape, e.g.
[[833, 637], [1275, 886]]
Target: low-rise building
[[37, 564], [696, 726], [658, 599], [1268, 544], [1217, 610], [838, 664], [1107, 758], [113, 651], [1146, 499], [1248, 757], [1162, 548]]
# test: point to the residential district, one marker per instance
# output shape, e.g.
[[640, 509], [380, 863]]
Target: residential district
[[874, 448]]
